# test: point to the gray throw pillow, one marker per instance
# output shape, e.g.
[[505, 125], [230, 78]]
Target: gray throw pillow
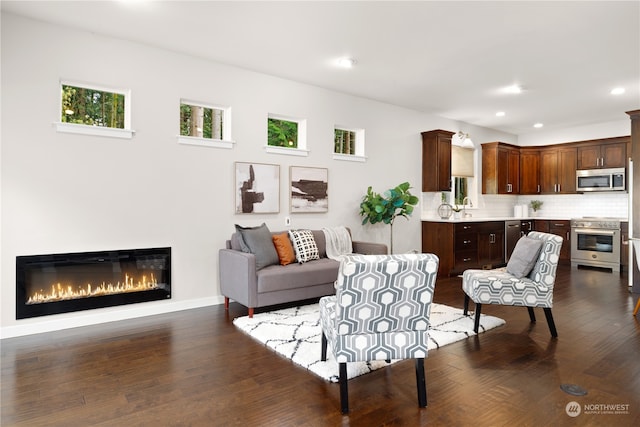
[[524, 256], [257, 240]]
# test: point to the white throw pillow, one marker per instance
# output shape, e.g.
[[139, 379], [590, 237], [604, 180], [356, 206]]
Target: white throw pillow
[[304, 245]]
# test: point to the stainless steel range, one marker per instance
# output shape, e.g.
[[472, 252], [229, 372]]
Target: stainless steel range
[[595, 242]]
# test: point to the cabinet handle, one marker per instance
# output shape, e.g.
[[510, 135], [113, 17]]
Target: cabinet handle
[[509, 188], [466, 227], [538, 188], [466, 259], [568, 238], [558, 225], [466, 242]]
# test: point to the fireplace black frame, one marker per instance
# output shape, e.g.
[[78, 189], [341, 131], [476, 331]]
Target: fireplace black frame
[[51, 261]]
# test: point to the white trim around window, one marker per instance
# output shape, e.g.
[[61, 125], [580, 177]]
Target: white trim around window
[[301, 149], [76, 128], [225, 142]]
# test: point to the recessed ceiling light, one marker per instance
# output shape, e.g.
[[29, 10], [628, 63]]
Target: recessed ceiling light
[[538, 125], [617, 91], [513, 89], [346, 62], [501, 114]]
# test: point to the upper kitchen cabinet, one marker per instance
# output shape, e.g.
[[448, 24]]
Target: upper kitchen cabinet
[[500, 168], [603, 153], [558, 170], [436, 160], [529, 171]]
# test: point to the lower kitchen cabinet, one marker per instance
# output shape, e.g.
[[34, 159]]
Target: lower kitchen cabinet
[[464, 245], [561, 228]]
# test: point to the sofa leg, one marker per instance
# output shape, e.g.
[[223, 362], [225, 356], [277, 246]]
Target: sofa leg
[[226, 303], [532, 315], [466, 304], [250, 312], [552, 325], [476, 324]]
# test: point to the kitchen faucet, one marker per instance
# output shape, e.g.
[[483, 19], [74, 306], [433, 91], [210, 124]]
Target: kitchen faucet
[[464, 206]]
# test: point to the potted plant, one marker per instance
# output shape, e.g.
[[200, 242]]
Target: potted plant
[[536, 205], [385, 208]]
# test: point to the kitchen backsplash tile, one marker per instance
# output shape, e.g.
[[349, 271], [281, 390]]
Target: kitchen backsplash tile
[[563, 206]]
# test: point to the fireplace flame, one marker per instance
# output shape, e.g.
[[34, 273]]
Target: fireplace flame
[[60, 292]]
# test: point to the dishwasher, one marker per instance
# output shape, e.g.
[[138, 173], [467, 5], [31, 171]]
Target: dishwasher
[[511, 236]]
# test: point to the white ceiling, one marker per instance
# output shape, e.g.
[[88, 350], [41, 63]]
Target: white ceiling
[[445, 58]]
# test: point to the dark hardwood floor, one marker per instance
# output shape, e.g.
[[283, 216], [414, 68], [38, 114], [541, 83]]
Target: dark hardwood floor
[[195, 368]]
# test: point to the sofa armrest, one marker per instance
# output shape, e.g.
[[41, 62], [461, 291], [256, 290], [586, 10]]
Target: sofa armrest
[[369, 248], [238, 276]]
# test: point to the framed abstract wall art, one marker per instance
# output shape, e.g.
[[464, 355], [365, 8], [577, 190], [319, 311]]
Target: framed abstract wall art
[[257, 188], [308, 189]]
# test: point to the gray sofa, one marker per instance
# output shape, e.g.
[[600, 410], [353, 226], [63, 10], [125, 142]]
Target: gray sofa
[[277, 284]]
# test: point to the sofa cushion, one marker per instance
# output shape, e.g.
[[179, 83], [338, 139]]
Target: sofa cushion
[[304, 245], [284, 248], [293, 276], [257, 240], [524, 256]]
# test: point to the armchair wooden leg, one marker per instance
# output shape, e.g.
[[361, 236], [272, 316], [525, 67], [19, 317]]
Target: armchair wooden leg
[[344, 389], [466, 304], [552, 325], [250, 312], [323, 342], [421, 382], [635, 310], [532, 315], [226, 303], [476, 324]]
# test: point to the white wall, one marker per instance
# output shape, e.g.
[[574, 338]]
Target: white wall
[[73, 193]]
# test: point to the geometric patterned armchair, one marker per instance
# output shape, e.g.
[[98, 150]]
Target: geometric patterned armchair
[[501, 287], [380, 312]]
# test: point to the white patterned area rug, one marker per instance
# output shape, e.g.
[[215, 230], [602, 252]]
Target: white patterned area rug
[[295, 333]]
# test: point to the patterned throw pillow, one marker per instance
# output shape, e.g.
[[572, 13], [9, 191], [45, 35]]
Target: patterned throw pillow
[[305, 245]]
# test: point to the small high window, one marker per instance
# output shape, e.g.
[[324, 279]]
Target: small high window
[[94, 110], [348, 144], [286, 135], [205, 125], [92, 107]]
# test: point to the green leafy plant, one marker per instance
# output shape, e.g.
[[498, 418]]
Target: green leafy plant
[[536, 205], [387, 207]]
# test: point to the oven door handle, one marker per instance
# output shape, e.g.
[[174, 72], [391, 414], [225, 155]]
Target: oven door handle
[[592, 231]]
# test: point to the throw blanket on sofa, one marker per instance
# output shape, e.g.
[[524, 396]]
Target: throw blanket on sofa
[[338, 242]]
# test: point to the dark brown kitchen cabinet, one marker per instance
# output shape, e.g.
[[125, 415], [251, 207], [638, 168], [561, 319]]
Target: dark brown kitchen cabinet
[[558, 170], [464, 245], [529, 171], [624, 245], [597, 154], [437, 238], [436, 160], [560, 228], [491, 244], [500, 168]]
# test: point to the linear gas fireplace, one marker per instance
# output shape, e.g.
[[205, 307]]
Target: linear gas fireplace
[[62, 283]]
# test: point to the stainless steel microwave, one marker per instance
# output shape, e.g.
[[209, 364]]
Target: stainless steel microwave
[[612, 179]]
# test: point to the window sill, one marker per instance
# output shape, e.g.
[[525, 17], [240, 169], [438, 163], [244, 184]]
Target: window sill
[[287, 151], [205, 142], [94, 130], [349, 157]]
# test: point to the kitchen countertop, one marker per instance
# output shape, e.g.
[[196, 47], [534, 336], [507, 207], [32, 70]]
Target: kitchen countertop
[[484, 219], [499, 218]]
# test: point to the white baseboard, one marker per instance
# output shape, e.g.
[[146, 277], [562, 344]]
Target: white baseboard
[[94, 317]]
